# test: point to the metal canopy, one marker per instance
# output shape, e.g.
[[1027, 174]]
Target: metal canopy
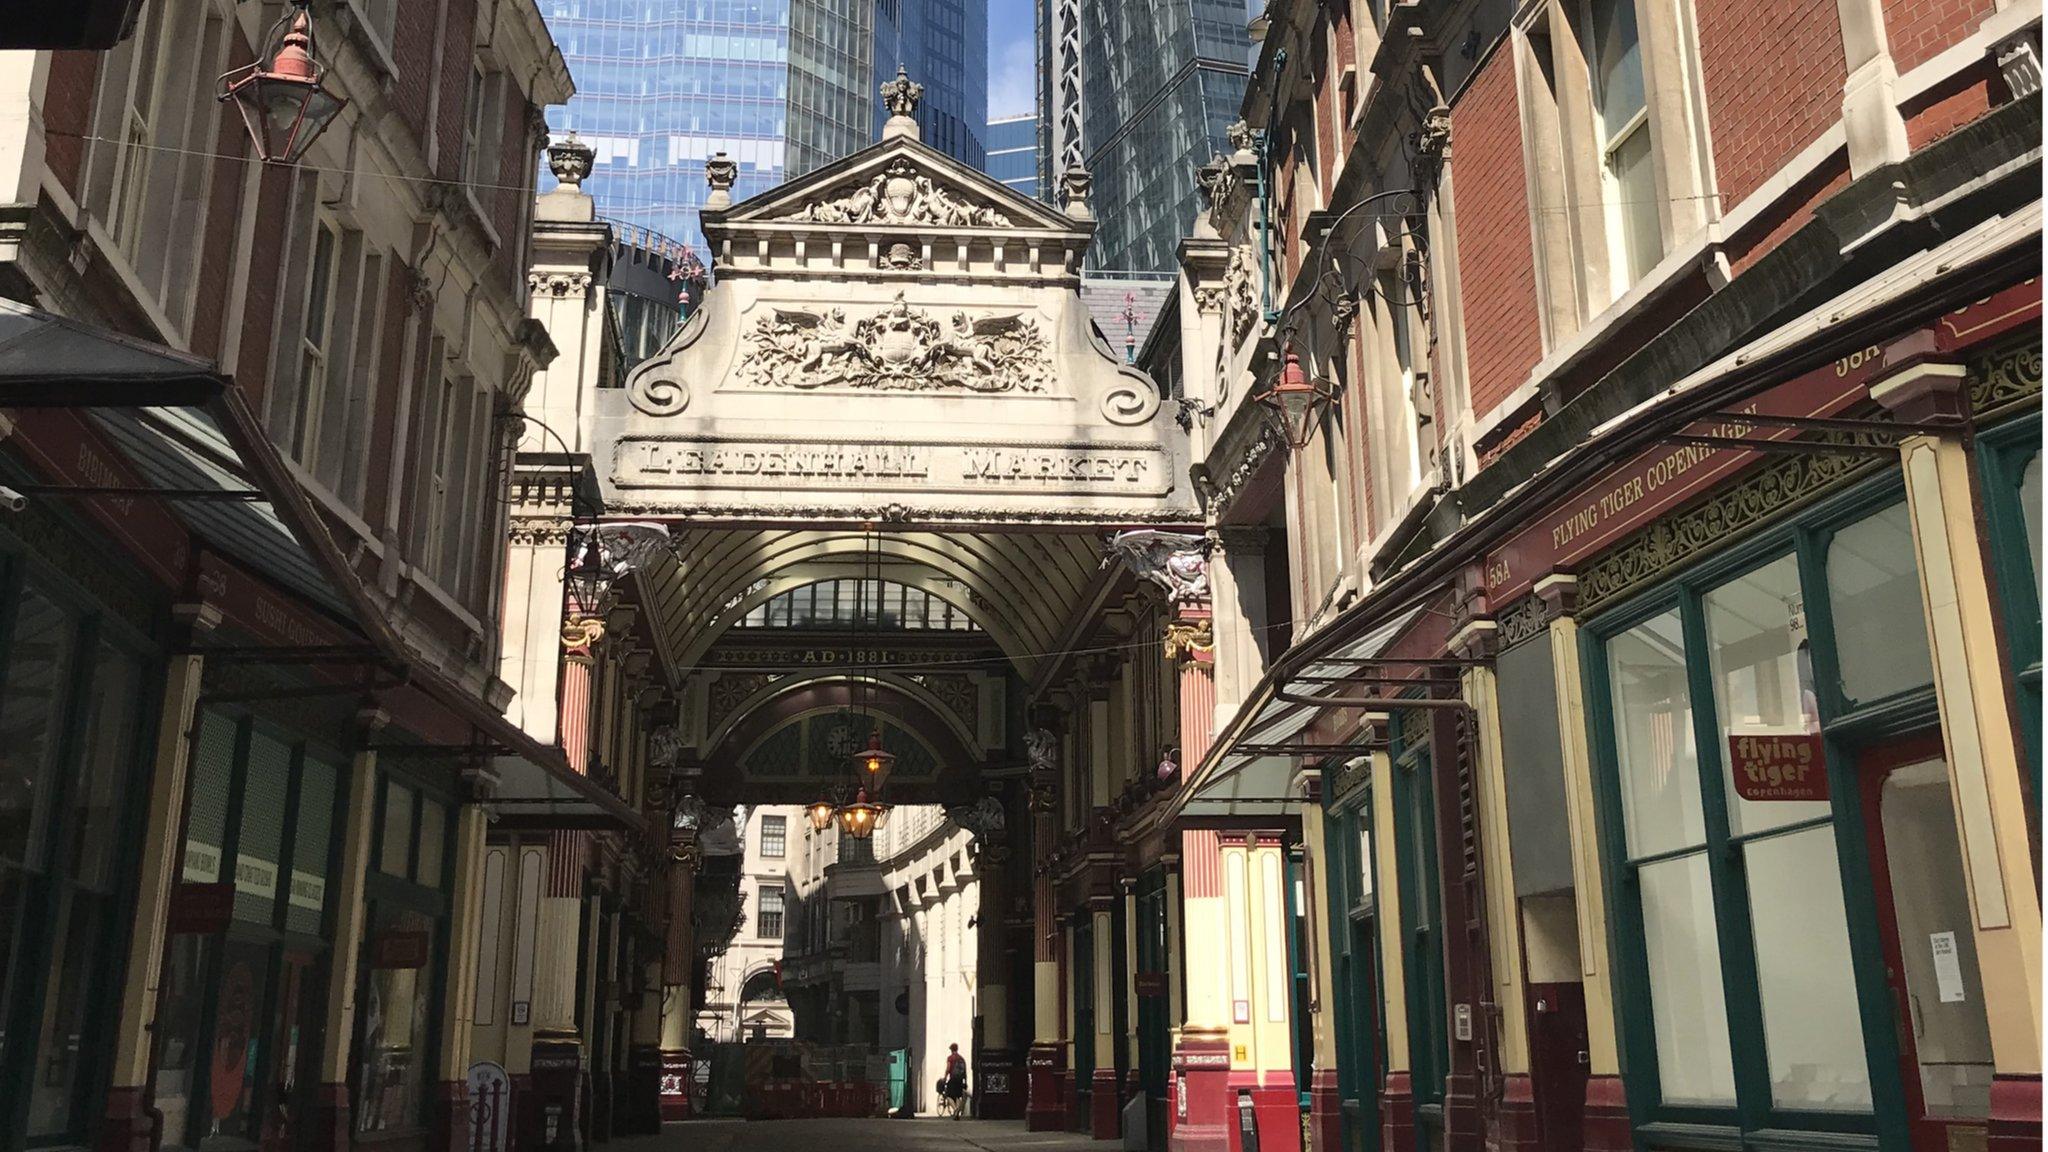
[[1254, 774], [192, 441]]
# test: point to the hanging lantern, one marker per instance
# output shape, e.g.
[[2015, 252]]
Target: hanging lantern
[[283, 104], [875, 763], [821, 813], [1296, 404], [862, 818]]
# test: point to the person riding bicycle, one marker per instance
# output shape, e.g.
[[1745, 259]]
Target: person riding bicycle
[[954, 1087]]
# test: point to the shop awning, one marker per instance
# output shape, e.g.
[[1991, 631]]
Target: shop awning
[[188, 442], [1254, 773]]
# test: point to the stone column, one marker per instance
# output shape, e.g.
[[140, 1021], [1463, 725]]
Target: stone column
[[1043, 1110], [1104, 1089], [1237, 578], [127, 1125], [1606, 1127], [1986, 763], [330, 1126], [1515, 1111], [1397, 1095], [1202, 1113], [679, 961], [458, 1005]]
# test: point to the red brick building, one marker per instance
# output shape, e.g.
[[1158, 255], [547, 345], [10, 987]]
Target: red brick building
[[1670, 407]]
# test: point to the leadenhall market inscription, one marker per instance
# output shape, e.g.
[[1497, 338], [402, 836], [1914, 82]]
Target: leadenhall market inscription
[[700, 464]]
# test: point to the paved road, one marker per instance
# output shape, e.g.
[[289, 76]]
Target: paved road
[[856, 1136]]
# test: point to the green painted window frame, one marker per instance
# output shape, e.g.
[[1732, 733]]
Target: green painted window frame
[[1411, 754], [1360, 1050], [2003, 454], [1847, 728]]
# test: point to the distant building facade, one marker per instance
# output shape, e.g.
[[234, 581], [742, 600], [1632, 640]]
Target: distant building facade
[[1013, 152], [782, 87], [1139, 92], [743, 999]]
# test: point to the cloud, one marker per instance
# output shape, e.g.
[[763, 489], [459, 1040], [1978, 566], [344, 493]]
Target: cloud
[[1012, 77]]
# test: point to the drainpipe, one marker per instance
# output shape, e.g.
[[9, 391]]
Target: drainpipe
[[1262, 142]]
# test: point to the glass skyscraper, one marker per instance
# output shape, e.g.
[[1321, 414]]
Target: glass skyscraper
[[1141, 92], [783, 86], [1013, 152]]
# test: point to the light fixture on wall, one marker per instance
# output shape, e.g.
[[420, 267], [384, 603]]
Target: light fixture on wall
[[1296, 404], [283, 104]]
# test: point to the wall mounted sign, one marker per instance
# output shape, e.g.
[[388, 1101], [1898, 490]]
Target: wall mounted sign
[[1948, 967], [1769, 766], [644, 462], [1149, 983], [201, 909], [397, 949]]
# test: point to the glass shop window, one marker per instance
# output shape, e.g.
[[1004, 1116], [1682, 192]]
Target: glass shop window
[[398, 1004], [1723, 792]]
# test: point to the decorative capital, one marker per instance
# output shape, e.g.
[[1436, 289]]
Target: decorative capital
[[1189, 638], [581, 633], [570, 160]]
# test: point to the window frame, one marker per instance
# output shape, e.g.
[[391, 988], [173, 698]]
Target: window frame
[[2004, 451], [1847, 731], [781, 837], [316, 355]]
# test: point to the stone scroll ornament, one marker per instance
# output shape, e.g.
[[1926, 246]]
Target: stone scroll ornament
[[900, 194], [899, 349]]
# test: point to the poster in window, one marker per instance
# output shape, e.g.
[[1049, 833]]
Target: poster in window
[[1778, 765]]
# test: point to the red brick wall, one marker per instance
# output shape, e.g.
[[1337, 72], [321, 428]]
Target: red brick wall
[[259, 305], [1496, 263], [1951, 106], [413, 52], [67, 113], [217, 254], [391, 381], [452, 106], [1919, 29], [517, 166], [1773, 72]]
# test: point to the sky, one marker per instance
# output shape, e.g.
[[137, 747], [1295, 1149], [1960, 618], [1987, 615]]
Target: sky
[[1012, 59]]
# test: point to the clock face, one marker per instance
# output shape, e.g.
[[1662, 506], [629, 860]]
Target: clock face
[[841, 741]]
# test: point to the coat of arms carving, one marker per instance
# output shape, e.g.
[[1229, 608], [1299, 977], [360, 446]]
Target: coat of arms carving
[[901, 195], [899, 349]]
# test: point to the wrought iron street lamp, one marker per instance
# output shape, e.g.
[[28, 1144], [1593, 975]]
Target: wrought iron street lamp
[[862, 818], [282, 101], [875, 763], [1296, 404]]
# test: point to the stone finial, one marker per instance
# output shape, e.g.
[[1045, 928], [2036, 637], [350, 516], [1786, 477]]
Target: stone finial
[[1074, 185], [570, 160], [720, 172], [901, 96]]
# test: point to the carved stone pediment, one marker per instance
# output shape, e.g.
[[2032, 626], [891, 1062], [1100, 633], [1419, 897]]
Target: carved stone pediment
[[897, 183], [897, 348], [900, 194]]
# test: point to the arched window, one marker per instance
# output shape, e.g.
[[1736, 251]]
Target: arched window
[[855, 604]]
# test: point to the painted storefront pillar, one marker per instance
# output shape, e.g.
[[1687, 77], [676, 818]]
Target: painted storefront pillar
[[1044, 1111], [1986, 762], [1606, 1125], [1105, 1088], [1325, 1101], [1397, 1095], [640, 1114], [1514, 1107], [127, 1125], [330, 1127], [450, 1110], [1203, 1109], [679, 961]]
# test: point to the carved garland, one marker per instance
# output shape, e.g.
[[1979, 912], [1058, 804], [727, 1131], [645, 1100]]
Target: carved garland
[[900, 195], [1525, 619], [898, 349]]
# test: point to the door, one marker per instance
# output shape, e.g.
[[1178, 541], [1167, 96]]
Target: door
[[1923, 912], [1422, 934]]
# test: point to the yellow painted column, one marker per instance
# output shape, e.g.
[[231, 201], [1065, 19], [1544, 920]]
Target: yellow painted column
[[1503, 911], [1985, 760], [465, 939], [1588, 885], [127, 1110], [332, 1099], [1387, 913]]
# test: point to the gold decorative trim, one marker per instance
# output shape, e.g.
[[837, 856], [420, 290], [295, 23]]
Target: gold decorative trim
[[1777, 487], [2005, 379], [1185, 639]]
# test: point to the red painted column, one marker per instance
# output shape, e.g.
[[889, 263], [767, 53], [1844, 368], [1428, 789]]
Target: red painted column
[[2015, 1114], [1325, 1111], [1397, 1111], [1606, 1126], [1203, 1107]]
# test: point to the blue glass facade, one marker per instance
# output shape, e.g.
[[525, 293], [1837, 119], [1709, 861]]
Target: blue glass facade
[[1159, 82], [783, 86], [1013, 152], [944, 44]]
